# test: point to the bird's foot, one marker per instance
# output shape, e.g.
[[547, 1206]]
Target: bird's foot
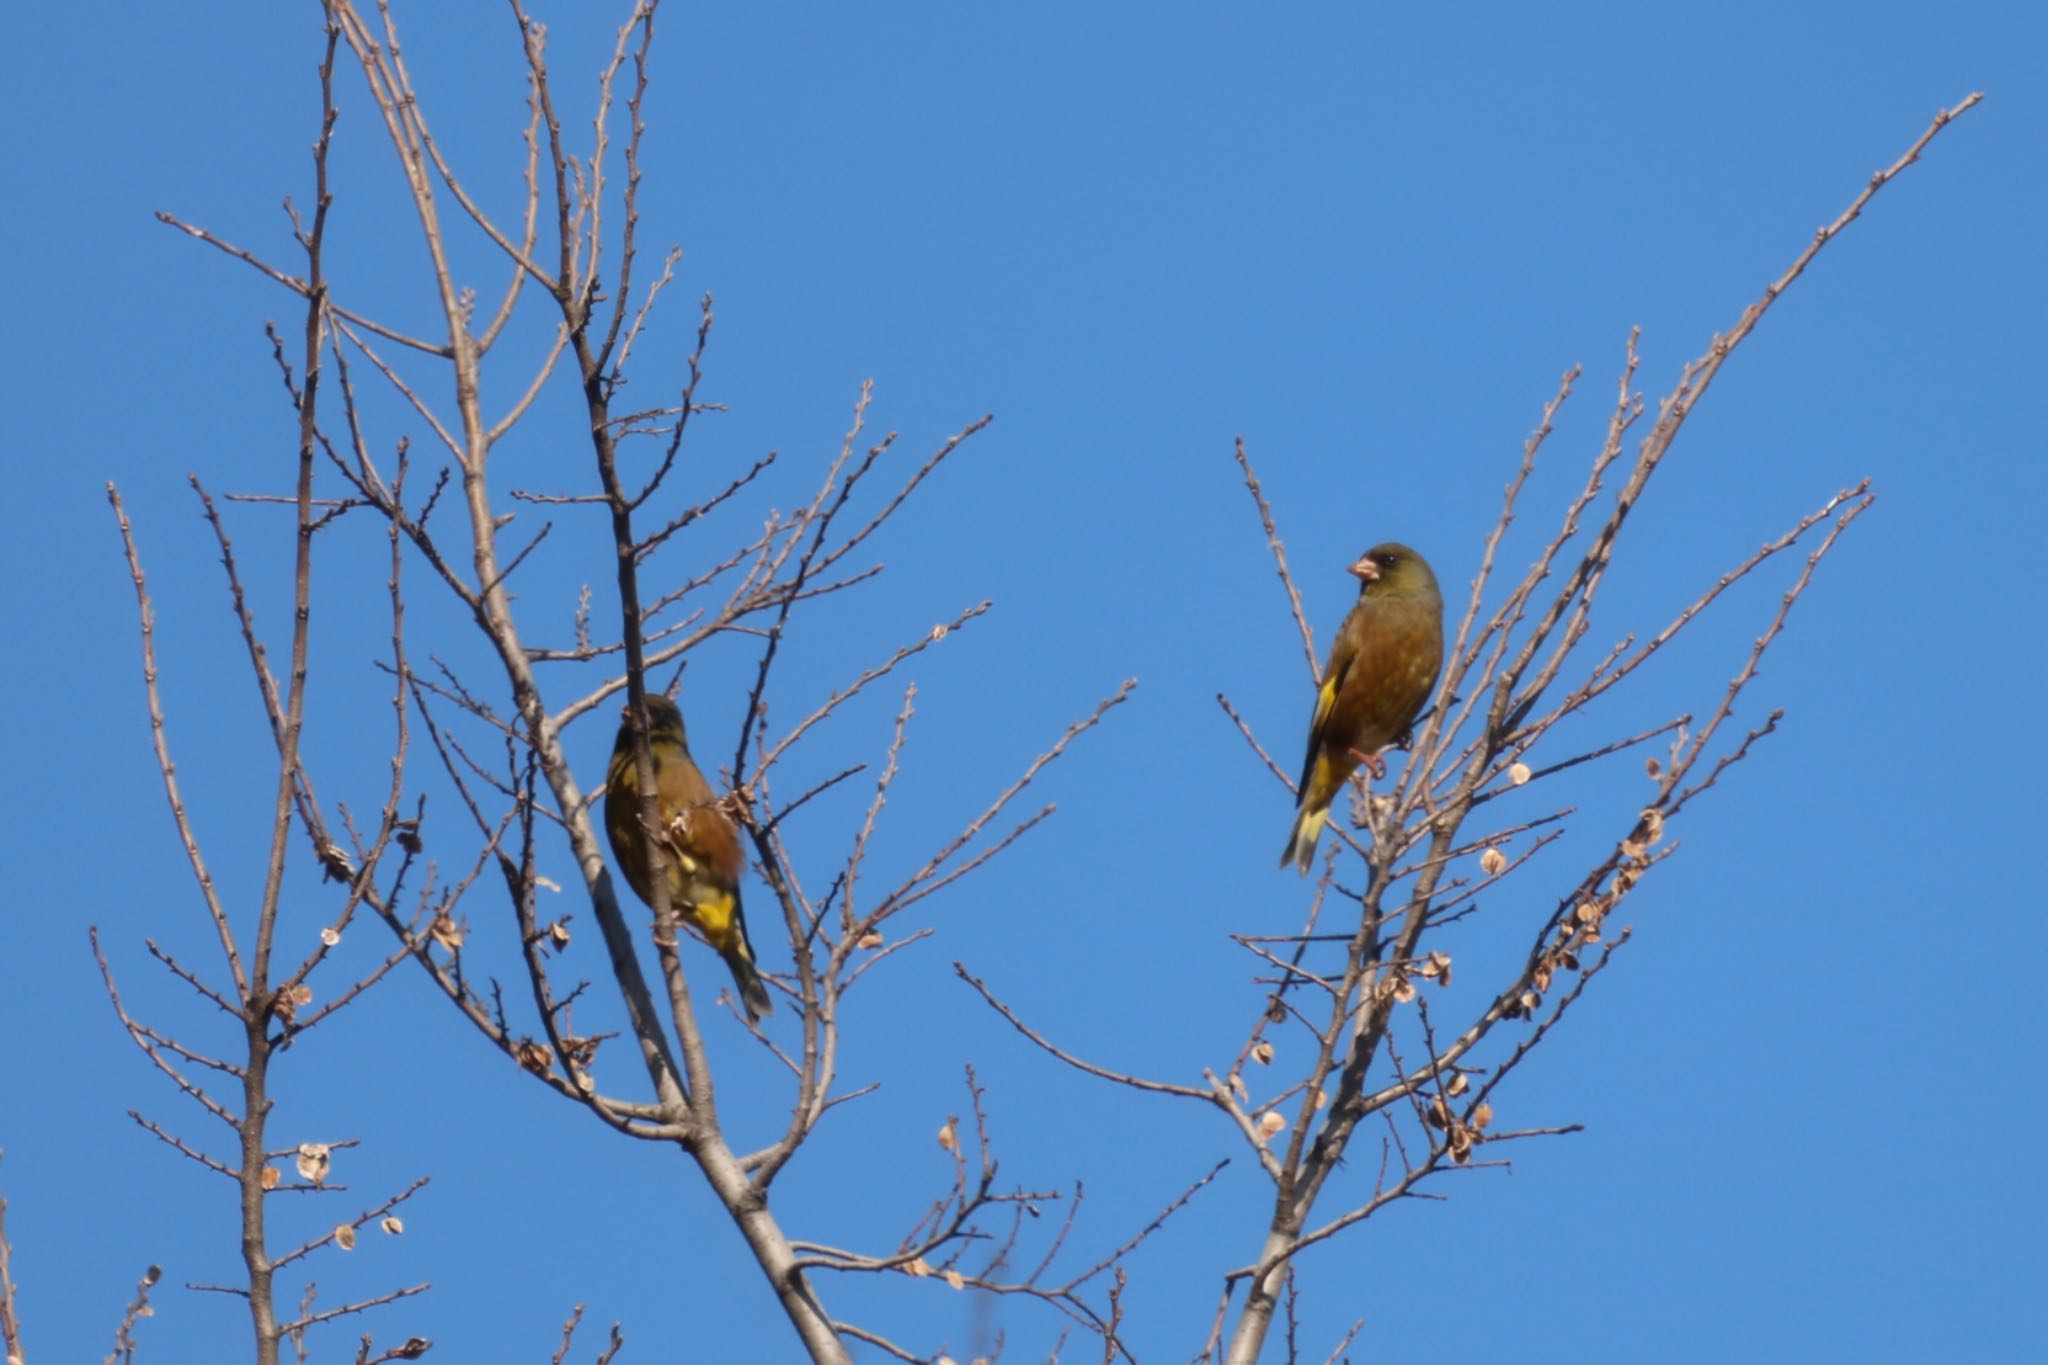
[[1372, 763]]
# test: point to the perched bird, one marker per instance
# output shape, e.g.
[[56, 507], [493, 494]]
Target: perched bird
[[1382, 667], [703, 845]]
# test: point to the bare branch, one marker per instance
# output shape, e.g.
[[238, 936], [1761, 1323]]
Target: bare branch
[[200, 873], [1308, 637], [10, 1321], [138, 1309], [1100, 1072]]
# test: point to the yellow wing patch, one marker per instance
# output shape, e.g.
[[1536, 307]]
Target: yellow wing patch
[[1313, 764], [1325, 699]]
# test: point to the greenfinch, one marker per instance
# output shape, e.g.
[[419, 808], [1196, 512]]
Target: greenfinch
[[703, 845], [1382, 668]]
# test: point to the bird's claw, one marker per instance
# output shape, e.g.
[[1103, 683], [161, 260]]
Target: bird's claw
[[1372, 763]]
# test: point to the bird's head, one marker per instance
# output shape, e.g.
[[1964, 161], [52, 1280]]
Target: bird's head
[[1391, 570], [664, 719]]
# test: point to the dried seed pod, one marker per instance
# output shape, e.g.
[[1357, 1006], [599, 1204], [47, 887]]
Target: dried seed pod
[[313, 1161], [289, 1003]]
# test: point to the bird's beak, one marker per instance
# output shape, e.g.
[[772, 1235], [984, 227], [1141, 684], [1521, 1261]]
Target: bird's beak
[[1365, 570]]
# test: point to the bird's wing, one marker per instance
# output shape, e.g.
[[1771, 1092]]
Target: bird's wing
[[1343, 654]]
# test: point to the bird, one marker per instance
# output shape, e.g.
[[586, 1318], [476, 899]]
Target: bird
[[703, 844], [1382, 669]]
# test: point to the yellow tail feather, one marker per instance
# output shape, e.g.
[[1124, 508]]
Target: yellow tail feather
[[1301, 840], [1319, 785]]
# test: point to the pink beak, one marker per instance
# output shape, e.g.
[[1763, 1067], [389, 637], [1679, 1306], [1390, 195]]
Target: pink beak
[[1365, 570]]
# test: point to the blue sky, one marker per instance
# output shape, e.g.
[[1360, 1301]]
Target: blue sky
[[1367, 239]]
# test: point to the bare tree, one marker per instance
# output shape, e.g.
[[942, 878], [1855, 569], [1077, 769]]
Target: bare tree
[[573, 258], [1516, 699], [269, 1002], [684, 570]]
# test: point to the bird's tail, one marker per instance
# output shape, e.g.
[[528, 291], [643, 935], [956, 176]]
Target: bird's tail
[[1301, 840], [724, 925], [753, 991]]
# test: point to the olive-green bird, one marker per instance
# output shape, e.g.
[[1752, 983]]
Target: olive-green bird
[[1381, 671], [704, 860]]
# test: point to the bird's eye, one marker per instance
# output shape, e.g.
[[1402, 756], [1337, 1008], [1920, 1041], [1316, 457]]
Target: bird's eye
[[1389, 561]]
